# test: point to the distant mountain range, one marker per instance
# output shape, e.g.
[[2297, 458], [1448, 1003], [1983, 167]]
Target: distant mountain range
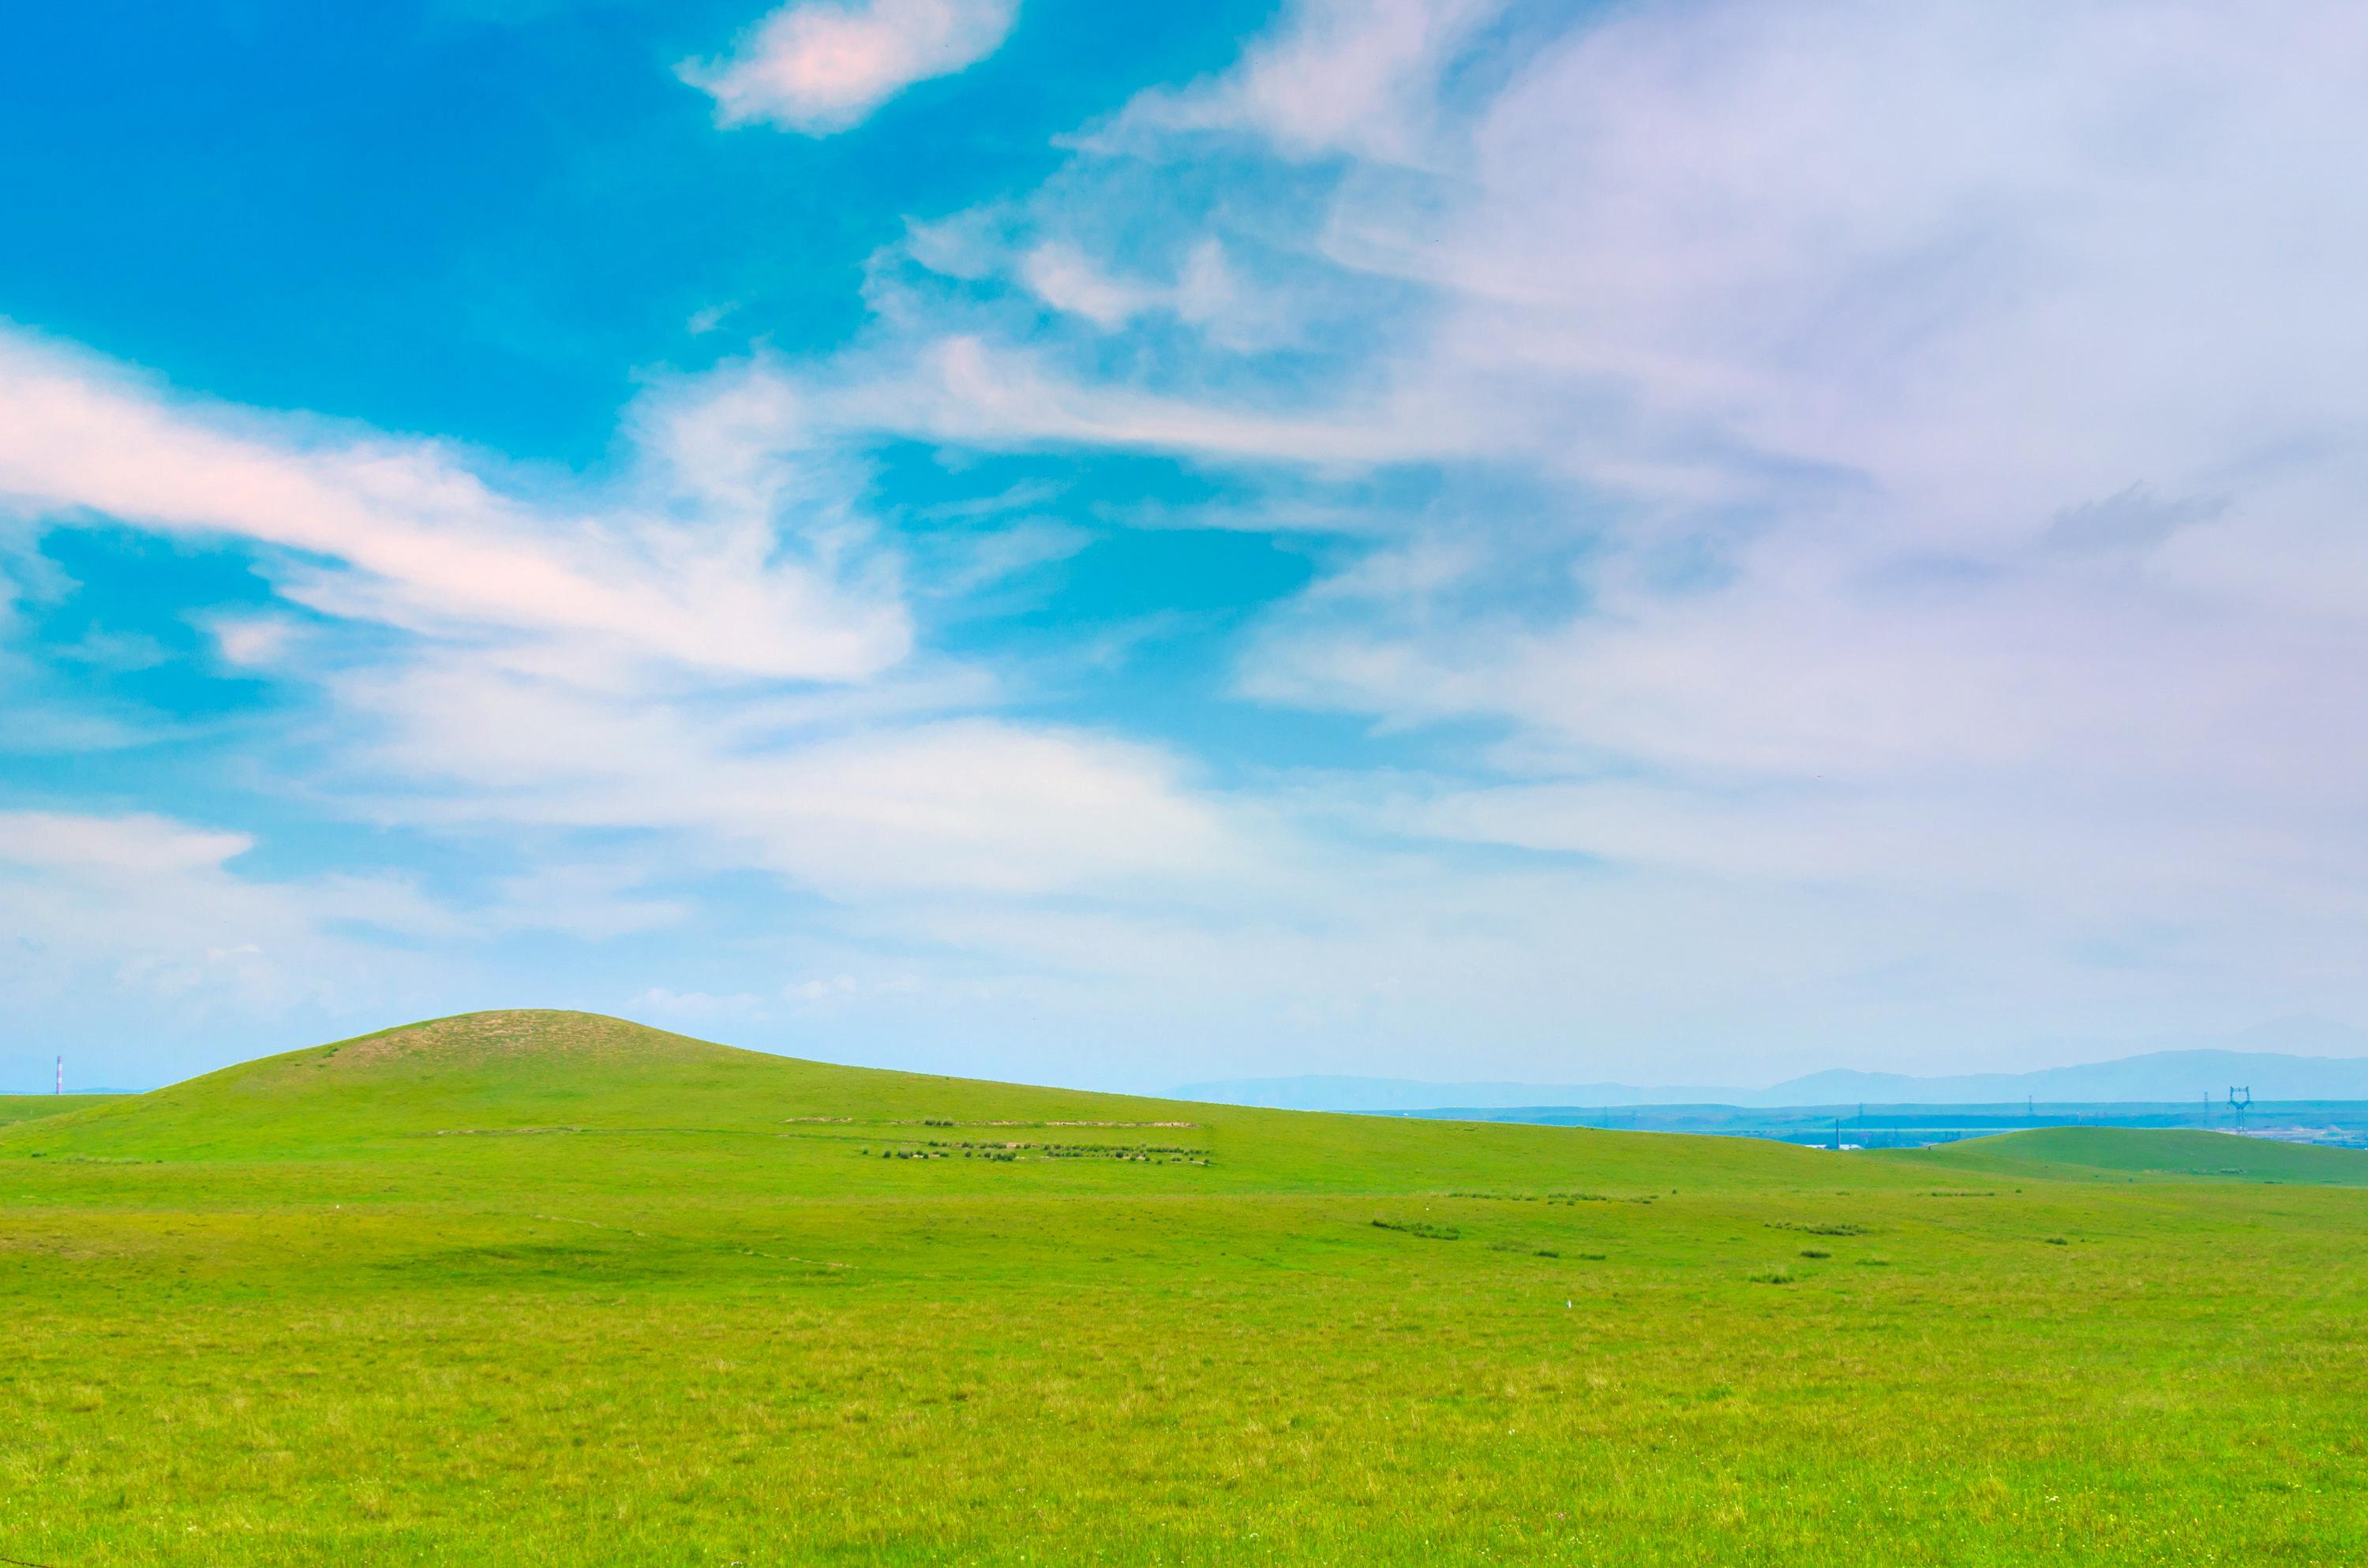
[[2182, 1070]]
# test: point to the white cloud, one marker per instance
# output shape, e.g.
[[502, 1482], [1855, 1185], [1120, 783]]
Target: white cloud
[[896, 806], [1334, 76], [1905, 289], [1205, 292], [128, 936], [96, 908], [702, 570], [641, 660], [252, 642], [1999, 260], [124, 846], [1061, 275], [972, 390], [820, 67]]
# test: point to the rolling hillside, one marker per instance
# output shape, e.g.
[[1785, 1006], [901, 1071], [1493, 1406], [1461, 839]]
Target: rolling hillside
[[505, 1091], [548, 1288], [2073, 1153], [14, 1109]]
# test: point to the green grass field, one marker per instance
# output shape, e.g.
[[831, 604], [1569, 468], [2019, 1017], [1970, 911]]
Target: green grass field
[[548, 1288], [14, 1109]]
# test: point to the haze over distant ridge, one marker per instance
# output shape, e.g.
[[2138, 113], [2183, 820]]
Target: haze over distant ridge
[[2181, 1070]]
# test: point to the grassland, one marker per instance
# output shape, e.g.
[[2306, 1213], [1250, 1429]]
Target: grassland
[[14, 1109], [545, 1289]]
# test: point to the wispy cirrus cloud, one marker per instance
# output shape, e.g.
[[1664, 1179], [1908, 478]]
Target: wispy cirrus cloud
[[709, 652], [819, 66], [2014, 456], [1357, 77], [889, 806], [709, 559]]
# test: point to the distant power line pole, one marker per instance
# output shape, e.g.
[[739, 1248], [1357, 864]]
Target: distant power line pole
[[61, 1075]]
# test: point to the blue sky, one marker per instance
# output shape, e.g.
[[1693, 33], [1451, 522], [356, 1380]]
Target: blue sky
[[1121, 545]]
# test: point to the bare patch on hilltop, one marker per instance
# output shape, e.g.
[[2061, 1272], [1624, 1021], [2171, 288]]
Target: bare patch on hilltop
[[515, 1033]]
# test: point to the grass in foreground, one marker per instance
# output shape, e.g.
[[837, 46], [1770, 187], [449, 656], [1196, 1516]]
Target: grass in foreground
[[544, 1288]]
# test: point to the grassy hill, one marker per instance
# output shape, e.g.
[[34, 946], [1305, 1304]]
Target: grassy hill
[[2106, 1154], [550, 1288], [14, 1109], [687, 1110]]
